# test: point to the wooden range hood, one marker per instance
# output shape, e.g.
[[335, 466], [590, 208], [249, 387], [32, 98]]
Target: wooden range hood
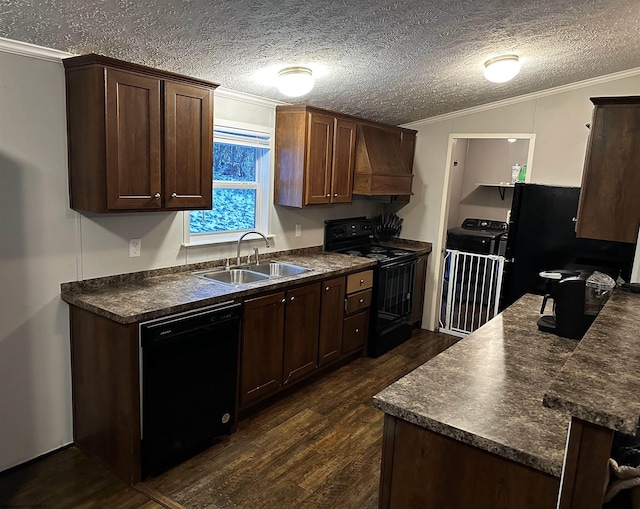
[[380, 168]]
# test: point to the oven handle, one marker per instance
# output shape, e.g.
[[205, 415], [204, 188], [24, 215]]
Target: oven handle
[[410, 261]]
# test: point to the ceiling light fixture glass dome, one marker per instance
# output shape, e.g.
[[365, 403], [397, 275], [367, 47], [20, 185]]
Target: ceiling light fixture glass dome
[[502, 69], [295, 81]]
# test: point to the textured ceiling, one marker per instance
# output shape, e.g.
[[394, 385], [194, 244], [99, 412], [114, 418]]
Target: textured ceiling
[[393, 61]]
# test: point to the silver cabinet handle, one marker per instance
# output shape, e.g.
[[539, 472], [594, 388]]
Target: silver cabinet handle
[[174, 195], [157, 196], [335, 194], [362, 281], [328, 195], [283, 300], [326, 289], [357, 330], [293, 298], [574, 220], [361, 301]]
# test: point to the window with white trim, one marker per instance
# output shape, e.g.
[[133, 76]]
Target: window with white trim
[[240, 180]]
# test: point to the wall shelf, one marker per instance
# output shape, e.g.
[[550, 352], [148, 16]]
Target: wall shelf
[[502, 187]]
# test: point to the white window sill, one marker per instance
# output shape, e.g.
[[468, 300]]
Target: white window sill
[[225, 239]]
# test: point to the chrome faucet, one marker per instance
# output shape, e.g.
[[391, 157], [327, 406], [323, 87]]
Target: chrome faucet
[[240, 240]]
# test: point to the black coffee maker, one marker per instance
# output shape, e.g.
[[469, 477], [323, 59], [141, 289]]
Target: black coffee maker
[[567, 288]]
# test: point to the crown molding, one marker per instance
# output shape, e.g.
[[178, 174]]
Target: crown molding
[[227, 93], [527, 97], [31, 50]]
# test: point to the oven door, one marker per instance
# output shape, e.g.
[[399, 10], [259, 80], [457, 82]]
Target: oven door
[[395, 292]]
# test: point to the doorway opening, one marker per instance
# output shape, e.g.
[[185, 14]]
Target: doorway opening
[[478, 185]]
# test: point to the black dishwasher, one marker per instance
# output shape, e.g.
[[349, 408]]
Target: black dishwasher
[[188, 380]]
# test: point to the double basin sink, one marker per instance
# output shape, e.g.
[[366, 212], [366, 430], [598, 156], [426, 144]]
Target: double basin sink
[[242, 275]]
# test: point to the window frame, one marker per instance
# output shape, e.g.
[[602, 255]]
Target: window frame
[[230, 132]]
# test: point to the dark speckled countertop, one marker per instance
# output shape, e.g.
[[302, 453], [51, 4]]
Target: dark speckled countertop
[[130, 298], [487, 390], [600, 383], [140, 296]]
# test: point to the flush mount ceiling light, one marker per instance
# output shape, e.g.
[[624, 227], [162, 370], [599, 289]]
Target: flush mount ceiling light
[[295, 81], [501, 69], [511, 140]]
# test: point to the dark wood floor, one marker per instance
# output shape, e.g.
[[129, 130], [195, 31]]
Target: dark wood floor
[[318, 447]]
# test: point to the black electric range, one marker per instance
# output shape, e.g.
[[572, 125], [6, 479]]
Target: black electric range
[[355, 236], [393, 285]]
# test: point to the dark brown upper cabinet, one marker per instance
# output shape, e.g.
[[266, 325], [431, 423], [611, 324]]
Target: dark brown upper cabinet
[[609, 207], [315, 157], [140, 139], [324, 157]]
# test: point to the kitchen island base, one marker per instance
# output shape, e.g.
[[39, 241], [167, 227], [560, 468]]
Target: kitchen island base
[[421, 468]]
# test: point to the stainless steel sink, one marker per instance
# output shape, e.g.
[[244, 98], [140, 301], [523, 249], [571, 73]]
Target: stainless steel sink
[[251, 273], [278, 269], [233, 276]]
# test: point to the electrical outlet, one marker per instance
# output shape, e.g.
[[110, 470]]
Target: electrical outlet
[[298, 230], [135, 246]]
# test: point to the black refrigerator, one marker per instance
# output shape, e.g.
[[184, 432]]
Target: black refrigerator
[[542, 237]]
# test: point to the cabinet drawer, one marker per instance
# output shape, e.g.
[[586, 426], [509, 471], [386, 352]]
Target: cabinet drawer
[[355, 331], [359, 281], [358, 301]]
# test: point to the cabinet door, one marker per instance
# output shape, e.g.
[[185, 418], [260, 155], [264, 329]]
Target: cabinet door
[[318, 159], [344, 160], [609, 207], [418, 290], [331, 317], [188, 165], [261, 355], [133, 141], [301, 331]]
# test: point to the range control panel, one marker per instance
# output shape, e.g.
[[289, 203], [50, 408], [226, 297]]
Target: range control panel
[[340, 231]]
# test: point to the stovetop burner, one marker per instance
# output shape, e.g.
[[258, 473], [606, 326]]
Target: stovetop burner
[[354, 237], [377, 252]]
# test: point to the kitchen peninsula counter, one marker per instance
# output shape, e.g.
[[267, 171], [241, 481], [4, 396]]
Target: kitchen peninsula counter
[[481, 401], [487, 390], [600, 383]]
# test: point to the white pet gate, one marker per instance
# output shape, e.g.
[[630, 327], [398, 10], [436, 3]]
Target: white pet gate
[[471, 285]]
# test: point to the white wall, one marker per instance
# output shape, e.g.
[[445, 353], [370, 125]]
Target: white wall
[[37, 253], [45, 243], [105, 238], [489, 161], [557, 118]]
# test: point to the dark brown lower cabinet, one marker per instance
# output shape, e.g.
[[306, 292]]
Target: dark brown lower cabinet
[[279, 341], [262, 347], [302, 313], [288, 336], [105, 387], [331, 318], [421, 468]]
